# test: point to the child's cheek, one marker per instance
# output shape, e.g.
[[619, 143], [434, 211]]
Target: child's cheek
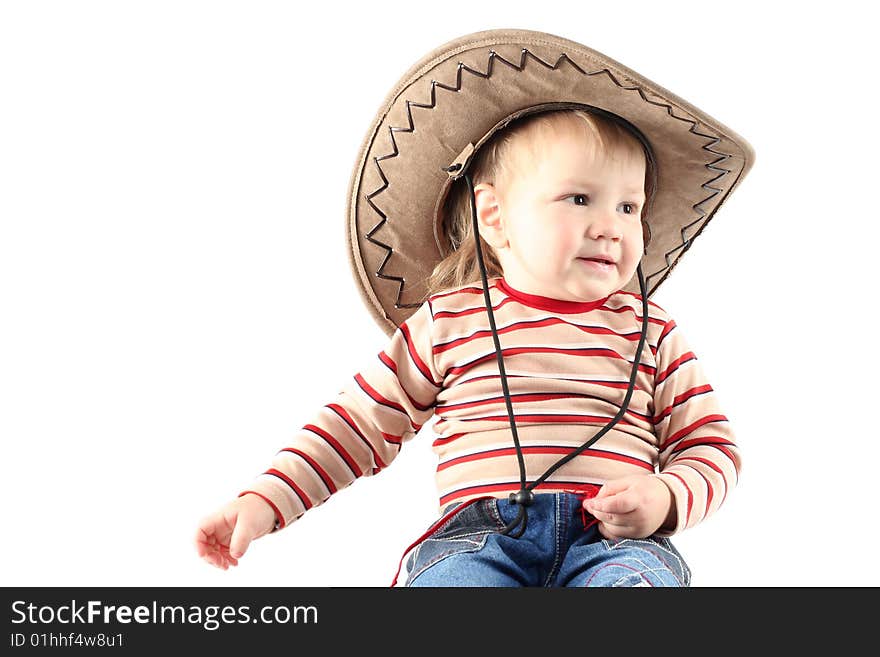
[[546, 251], [565, 249]]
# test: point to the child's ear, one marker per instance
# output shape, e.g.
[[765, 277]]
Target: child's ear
[[489, 219]]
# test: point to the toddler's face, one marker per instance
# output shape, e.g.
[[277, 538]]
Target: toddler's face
[[563, 211]]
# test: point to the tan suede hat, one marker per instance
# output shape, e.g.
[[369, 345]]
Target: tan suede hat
[[456, 97]]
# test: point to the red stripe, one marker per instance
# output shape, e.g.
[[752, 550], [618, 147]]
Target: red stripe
[[721, 448], [584, 352], [478, 290], [679, 399], [278, 516], [351, 423], [376, 397], [374, 394], [690, 498], [729, 455], [702, 441], [538, 396], [543, 396], [667, 329], [544, 449], [681, 433], [389, 362], [391, 365], [385, 358], [637, 314], [678, 362], [711, 466], [708, 489], [440, 348], [307, 504], [416, 358], [392, 439], [444, 440], [637, 311], [464, 290], [596, 382], [534, 324], [512, 487], [638, 297], [451, 314], [548, 418], [340, 450], [326, 478]]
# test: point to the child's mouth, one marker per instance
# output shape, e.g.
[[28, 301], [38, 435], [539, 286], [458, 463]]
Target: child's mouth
[[597, 265]]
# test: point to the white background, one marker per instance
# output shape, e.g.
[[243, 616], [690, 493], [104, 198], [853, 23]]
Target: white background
[[175, 297]]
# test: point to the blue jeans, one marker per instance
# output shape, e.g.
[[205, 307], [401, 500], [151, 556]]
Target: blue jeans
[[555, 550]]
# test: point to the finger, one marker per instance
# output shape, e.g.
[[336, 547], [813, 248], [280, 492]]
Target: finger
[[622, 524], [221, 559], [227, 555], [618, 503], [617, 532], [204, 539], [612, 487], [604, 518], [212, 555], [213, 529], [240, 540], [222, 562], [214, 559], [223, 552], [211, 549], [608, 531]]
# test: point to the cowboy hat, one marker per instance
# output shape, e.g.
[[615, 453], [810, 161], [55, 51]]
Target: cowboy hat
[[458, 96]]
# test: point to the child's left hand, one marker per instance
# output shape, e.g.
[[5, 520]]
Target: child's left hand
[[632, 507]]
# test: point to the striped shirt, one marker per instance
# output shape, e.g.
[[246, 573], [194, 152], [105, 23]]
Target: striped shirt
[[568, 366]]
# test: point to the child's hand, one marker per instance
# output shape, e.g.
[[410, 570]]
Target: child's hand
[[632, 507], [223, 536]]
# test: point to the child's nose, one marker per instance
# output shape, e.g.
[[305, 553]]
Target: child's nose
[[604, 224]]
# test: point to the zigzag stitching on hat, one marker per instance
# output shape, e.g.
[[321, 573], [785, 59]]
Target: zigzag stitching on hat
[[378, 226], [703, 219], [670, 263]]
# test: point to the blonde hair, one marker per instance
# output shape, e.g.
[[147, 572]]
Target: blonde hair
[[497, 162]]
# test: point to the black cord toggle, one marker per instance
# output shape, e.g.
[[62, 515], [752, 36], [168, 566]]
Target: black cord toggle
[[522, 497]]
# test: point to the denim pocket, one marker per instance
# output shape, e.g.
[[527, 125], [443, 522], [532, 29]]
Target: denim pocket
[[466, 531], [662, 549]]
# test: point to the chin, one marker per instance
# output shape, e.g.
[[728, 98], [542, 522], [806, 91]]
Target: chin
[[591, 293]]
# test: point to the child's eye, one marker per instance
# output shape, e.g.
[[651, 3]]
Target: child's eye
[[581, 199]]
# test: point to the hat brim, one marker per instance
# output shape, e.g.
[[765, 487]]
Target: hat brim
[[457, 95]]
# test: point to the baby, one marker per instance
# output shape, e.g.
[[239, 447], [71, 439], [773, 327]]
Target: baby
[[562, 200]]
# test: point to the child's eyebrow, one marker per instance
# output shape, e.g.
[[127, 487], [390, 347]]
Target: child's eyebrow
[[571, 182]]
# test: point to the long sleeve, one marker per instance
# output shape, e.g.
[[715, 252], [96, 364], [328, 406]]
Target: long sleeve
[[362, 430], [699, 459]]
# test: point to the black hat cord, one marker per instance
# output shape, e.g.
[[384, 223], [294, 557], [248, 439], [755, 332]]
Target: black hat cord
[[524, 497]]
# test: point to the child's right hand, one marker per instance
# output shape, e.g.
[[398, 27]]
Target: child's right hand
[[223, 536]]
